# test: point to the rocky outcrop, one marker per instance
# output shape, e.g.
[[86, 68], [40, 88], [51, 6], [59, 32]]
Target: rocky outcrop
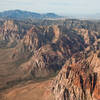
[[61, 40], [47, 48], [44, 62], [8, 30], [78, 81], [9, 34], [41, 49], [50, 57]]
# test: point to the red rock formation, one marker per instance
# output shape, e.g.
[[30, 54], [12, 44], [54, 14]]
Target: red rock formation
[[79, 81]]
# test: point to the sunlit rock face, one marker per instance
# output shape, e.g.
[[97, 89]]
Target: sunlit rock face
[[40, 49], [78, 81]]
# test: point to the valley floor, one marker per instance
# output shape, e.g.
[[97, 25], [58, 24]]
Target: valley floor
[[30, 91]]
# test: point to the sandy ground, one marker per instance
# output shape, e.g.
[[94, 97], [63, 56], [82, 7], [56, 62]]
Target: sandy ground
[[31, 91]]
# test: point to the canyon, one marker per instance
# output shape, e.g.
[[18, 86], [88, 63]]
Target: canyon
[[49, 60]]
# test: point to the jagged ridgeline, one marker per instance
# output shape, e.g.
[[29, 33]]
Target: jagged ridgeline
[[38, 49]]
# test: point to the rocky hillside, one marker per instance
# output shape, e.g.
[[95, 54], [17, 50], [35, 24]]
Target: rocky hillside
[[33, 50], [52, 45], [78, 80]]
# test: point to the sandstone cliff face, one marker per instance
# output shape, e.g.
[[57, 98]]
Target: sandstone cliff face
[[49, 57], [62, 41], [91, 38], [9, 32], [49, 48], [44, 48], [78, 81], [44, 62]]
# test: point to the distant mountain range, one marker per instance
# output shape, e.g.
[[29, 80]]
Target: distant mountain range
[[19, 14]]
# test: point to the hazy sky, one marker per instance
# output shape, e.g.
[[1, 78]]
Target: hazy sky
[[58, 6]]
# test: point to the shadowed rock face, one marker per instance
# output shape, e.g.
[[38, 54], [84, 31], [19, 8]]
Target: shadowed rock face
[[78, 81], [41, 49], [53, 45], [49, 57], [49, 48], [9, 33]]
